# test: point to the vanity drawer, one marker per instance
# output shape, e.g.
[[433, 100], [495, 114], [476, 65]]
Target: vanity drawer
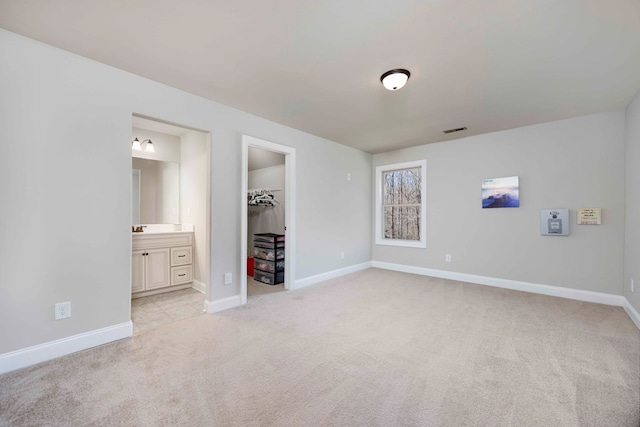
[[181, 256], [181, 275]]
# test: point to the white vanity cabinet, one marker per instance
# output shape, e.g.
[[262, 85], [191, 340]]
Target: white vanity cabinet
[[161, 262], [150, 269]]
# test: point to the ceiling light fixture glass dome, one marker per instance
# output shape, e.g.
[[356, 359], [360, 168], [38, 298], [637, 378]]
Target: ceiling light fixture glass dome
[[395, 79]]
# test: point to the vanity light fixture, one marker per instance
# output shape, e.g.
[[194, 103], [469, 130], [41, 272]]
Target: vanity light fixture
[[137, 145], [395, 79], [149, 148]]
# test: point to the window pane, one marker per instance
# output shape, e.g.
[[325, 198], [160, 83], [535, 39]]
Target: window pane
[[402, 223], [402, 187], [389, 189]]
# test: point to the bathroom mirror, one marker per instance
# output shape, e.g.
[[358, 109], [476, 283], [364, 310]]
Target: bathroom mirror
[[157, 198], [135, 196]]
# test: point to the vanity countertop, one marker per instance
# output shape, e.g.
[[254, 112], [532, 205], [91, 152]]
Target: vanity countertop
[[154, 232], [162, 237], [162, 229]]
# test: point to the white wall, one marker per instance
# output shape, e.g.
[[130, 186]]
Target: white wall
[[632, 203], [565, 164], [194, 198], [69, 239], [329, 210], [266, 219]]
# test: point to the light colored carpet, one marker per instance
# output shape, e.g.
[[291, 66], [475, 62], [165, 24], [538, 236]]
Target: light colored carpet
[[375, 348]]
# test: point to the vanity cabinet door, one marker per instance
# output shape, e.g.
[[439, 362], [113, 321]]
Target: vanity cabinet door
[[158, 268], [137, 271]]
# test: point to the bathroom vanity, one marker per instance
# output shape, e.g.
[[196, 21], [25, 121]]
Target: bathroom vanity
[[161, 260]]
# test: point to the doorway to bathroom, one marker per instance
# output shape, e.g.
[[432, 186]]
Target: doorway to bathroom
[[171, 206], [268, 218]]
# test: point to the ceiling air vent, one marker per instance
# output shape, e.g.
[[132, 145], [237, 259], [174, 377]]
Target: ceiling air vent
[[454, 130]]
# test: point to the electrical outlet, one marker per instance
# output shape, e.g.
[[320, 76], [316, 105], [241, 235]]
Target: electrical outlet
[[348, 177], [228, 278], [447, 257], [341, 255], [63, 310], [631, 285]]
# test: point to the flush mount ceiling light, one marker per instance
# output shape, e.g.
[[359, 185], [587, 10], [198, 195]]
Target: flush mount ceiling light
[[395, 79], [137, 145]]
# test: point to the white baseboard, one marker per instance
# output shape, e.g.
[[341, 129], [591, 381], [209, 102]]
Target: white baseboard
[[236, 300], [199, 286], [160, 291], [223, 304], [556, 291], [633, 314], [312, 280], [50, 350]]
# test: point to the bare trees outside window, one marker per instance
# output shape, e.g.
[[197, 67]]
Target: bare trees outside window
[[401, 205]]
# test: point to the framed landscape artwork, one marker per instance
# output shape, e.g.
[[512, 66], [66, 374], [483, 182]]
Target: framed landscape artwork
[[501, 192]]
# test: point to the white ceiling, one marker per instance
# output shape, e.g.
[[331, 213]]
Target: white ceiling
[[315, 66]]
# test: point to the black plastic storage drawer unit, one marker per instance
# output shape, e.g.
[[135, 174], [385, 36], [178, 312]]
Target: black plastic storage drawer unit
[[268, 255], [268, 278]]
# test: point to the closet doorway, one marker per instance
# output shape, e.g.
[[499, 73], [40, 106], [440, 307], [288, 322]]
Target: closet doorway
[[268, 218]]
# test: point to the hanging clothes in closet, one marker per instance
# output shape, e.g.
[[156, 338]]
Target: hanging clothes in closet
[[261, 197]]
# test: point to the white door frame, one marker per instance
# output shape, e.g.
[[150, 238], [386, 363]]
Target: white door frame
[[289, 214]]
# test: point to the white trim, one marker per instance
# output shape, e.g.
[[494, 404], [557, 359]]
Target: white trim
[[380, 240], [199, 286], [633, 314], [223, 304], [556, 291], [207, 231], [312, 280], [244, 219], [166, 289], [53, 349], [289, 215]]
